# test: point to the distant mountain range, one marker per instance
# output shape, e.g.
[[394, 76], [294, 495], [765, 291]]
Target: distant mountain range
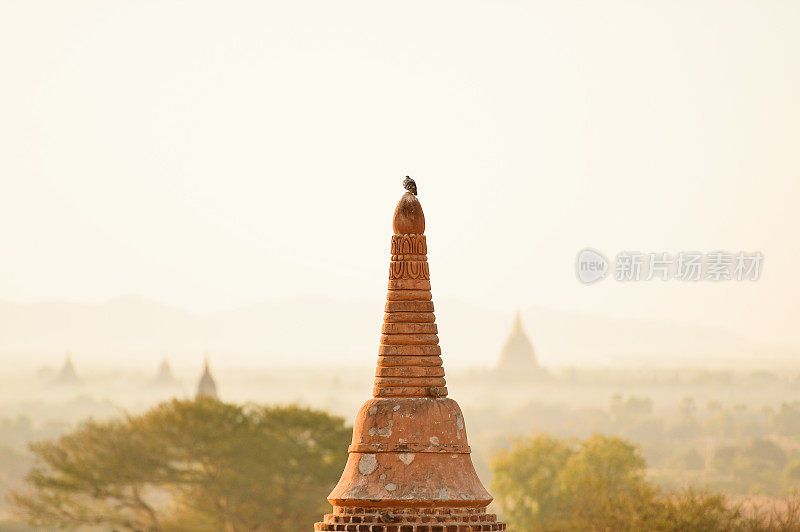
[[135, 331]]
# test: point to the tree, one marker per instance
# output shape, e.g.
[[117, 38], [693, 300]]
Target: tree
[[98, 474], [787, 419], [791, 473], [633, 409], [695, 510], [687, 426], [602, 485], [724, 458], [547, 484], [525, 480], [767, 450], [262, 468], [689, 458], [199, 465]]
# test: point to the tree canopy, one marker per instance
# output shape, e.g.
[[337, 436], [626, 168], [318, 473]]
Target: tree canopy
[[544, 483], [199, 465]]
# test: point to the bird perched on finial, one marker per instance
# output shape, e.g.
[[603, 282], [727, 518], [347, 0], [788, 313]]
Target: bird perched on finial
[[410, 185]]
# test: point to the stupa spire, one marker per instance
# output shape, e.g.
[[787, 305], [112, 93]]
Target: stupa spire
[[409, 467], [409, 362], [206, 387], [517, 328]]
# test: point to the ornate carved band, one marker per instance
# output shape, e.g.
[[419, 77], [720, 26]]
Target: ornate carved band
[[408, 448], [409, 270], [409, 245]]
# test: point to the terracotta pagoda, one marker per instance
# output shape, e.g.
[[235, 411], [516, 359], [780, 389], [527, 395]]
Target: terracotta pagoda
[[409, 467]]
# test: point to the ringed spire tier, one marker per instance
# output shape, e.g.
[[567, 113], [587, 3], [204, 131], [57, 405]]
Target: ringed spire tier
[[409, 357], [409, 467]]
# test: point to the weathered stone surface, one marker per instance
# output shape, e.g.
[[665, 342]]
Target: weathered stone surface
[[433, 519], [409, 317], [409, 284], [409, 360], [408, 217], [409, 295], [409, 350], [409, 328], [409, 371]]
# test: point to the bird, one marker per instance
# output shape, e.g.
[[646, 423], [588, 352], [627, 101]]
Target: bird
[[410, 185]]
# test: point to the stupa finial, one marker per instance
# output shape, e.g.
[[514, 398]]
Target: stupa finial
[[408, 216]]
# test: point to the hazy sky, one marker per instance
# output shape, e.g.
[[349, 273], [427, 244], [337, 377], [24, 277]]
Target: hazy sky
[[216, 154]]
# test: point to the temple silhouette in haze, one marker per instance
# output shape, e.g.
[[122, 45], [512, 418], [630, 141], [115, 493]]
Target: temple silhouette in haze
[[517, 358], [165, 377], [206, 386], [67, 375]]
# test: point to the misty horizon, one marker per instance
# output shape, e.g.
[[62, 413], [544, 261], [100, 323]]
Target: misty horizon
[[135, 331]]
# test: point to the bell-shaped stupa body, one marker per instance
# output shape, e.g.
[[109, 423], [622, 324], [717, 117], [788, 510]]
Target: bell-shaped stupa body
[[409, 466], [518, 359]]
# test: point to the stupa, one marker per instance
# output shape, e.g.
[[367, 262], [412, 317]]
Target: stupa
[[409, 467], [206, 387], [164, 377], [67, 375], [518, 359]]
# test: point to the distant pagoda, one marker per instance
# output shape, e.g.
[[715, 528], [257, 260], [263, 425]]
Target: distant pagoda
[[409, 467], [206, 387], [518, 358], [164, 377], [67, 375]]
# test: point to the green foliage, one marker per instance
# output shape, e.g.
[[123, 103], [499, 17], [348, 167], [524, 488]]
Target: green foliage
[[526, 479], [602, 484], [689, 459], [787, 419], [543, 483], [97, 474], [547, 484], [791, 473], [694, 510], [199, 465], [687, 426], [724, 457], [758, 466], [630, 409], [767, 450]]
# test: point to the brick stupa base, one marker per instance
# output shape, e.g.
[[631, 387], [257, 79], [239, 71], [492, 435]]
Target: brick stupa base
[[410, 520], [409, 467]]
